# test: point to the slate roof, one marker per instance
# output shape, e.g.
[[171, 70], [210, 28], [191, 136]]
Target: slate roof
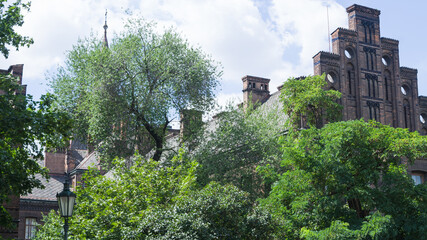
[[90, 161], [53, 185]]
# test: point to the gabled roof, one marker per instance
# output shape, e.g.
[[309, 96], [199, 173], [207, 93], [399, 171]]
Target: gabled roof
[[53, 185], [90, 160]]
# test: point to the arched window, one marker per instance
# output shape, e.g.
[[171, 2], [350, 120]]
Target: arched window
[[366, 33], [370, 34], [372, 83], [374, 110], [387, 85], [407, 114], [367, 60], [350, 79]]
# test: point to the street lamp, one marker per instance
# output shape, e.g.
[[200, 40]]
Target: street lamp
[[66, 200]]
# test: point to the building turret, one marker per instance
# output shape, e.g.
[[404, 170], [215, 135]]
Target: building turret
[[255, 89]]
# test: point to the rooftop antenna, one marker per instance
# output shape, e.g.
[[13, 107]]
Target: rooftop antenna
[[327, 16]]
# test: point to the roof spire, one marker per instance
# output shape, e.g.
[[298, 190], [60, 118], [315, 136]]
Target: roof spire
[[105, 30]]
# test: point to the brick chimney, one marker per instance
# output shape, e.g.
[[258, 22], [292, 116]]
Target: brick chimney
[[255, 89]]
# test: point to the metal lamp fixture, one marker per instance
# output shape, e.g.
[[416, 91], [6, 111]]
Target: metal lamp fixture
[[66, 200]]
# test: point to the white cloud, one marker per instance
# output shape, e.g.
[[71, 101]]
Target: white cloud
[[235, 33]]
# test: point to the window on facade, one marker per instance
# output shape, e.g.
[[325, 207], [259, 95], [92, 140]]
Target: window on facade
[[332, 78], [387, 85], [423, 118], [30, 228], [407, 114], [366, 33], [253, 85], [405, 90], [348, 52], [374, 110], [350, 79], [266, 87], [418, 178], [369, 30], [372, 84], [386, 61], [367, 60]]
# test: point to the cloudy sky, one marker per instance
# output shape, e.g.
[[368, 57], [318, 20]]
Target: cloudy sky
[[274, 39]]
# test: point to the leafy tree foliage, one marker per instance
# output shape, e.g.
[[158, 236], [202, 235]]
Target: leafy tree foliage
[[26, 127], [348, 177], [151, 201], [124, 97], [306, 100], [238, 142], [9, 19]]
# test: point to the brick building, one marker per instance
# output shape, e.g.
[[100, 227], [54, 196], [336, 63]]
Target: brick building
[[27, 210], [365, 68]]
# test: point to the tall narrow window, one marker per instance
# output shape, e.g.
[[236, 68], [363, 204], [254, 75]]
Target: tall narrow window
[[367, 60], [374, 110], [372, 61], [387, 85], [370, 34], [366, 34], [30, 228], [407, 114], [369, 86], [373, 88], [350, 79], [349, 82]]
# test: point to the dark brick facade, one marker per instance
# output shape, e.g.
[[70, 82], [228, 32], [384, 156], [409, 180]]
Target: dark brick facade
[[365, 68]]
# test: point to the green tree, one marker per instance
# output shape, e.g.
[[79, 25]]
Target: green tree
[[306, 100], [26, 128], [9, 19], [150, 200], [348, 177], [124, 97], [237, 145]]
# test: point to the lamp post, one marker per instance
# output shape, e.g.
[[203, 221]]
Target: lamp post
[[66, 200]]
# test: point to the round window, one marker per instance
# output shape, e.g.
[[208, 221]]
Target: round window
[[331, 77], [386, 60], [405, 90], [348, 53]]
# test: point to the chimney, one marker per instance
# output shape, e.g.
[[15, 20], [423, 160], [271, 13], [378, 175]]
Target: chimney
[[255, 89]]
